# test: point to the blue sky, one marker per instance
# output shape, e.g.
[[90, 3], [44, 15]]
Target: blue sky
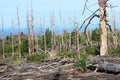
[[69, 10]]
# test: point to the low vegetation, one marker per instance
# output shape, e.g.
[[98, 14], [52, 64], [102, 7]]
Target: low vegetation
[[81, 62], [36, 57]]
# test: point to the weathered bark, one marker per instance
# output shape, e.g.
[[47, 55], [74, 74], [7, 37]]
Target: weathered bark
[[3, 42], [103, 30], [108, 67], [19, 44], [12, 38]]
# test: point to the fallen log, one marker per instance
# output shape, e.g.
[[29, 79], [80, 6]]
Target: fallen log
[[107, 67]]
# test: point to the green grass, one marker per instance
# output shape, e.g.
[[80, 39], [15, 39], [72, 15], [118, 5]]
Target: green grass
[[36, 57]]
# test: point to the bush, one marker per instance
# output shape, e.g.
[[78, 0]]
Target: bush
[[90, 50], [15, 61], [36, 57], [114, 51], [68, 54], [82, 62], [96, 35]]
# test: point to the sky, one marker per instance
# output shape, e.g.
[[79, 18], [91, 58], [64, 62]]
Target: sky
[[70, 9]]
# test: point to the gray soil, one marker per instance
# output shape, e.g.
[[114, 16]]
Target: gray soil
[[54, 69]]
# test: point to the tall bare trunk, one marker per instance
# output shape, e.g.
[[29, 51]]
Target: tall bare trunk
[[103, 30], [44, 35], [61, 32], [70, 38], [115, 37], [32, 27], [52, 23], [28, 34], [41, 32], [12, 38], [19, 45], [3, 42], [76, 33]]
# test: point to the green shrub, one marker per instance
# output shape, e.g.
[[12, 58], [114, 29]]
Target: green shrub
[[36, 57], [82, 62], [15, 60], [68, 54], [90, 50], [96, 35], [114, 51]]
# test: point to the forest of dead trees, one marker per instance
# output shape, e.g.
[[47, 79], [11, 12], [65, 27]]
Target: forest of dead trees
[[65, 42]]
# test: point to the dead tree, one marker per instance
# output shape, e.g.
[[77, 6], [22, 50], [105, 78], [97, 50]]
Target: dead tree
[[103, 25], [29, 35], [103, 29], [115, 38], [32, 28], [65, 35], [12, 38], [61, 32], [45, 46], [3, 42], [41, 32], [76, 34], [19, 44], [70, 38], [52, 23]]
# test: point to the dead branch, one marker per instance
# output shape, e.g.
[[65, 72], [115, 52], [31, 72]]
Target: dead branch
[[84, 6], [109, 27], [88, 19], [90, 22]]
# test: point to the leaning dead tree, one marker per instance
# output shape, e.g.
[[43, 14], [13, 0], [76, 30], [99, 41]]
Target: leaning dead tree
[[3, 42], [103, 24]]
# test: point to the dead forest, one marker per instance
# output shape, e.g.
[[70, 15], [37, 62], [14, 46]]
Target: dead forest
[[46, 54]]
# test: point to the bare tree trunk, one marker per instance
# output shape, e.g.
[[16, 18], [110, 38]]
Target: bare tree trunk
[[29, 35], [88, 38], [41, 32], [44, 35], [52, 23], [76, 34], [19, 45], [115, 38], [103, 30], [61, 41], [3, 42], [32, 27], [70, 38], [36, 41], [12, 38]]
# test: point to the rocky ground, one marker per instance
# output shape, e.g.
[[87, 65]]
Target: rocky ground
[[54, 69]]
